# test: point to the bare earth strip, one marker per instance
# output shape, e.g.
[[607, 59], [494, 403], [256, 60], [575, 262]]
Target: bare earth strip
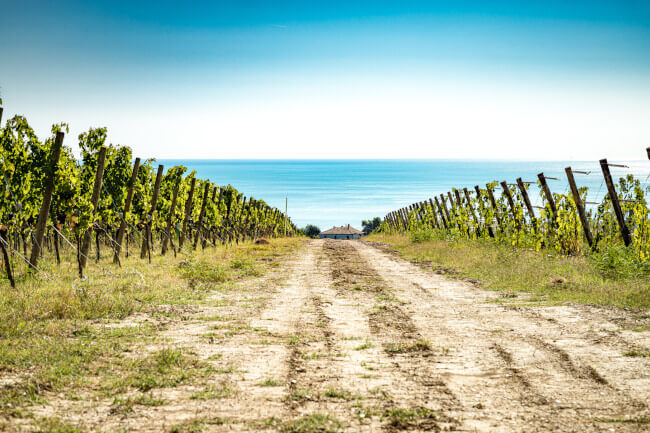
[[521, 368], [344, 336]]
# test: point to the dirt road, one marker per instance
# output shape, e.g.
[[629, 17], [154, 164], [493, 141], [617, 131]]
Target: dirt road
[[369, 342]]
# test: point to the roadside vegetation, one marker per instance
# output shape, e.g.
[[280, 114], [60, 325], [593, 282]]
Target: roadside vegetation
[[100, 337], [603, 278]]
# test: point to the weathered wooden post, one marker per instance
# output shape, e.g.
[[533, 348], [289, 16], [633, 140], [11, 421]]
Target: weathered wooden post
[[202, 213], [471, 208], [579, 206], [482, 211], [442, 214], [5, 255], [625, 232], [493, 202], [145, 251], [188, 212], [548, 195], [511, 203], [85, 245], [444, 207], [524, 194], [433, 212], [168, 230], [50, 174], [127, 208]]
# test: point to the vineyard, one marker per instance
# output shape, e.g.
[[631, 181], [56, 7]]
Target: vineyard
[[615, 228], [107, 206]]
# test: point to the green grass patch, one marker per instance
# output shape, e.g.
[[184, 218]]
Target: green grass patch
[[553, 278], [417, 346], [637, 354], [314, 423]]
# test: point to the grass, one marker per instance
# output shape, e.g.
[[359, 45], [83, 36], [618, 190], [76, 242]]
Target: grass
[[364, 346], [418, 346], [314, 423], [213, 392], [403, 419], [638, 354], [63, 336], [124, 405], [553, 278], [271, 382]]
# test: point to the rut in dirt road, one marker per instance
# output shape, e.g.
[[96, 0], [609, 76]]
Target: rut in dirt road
[[511, 368]]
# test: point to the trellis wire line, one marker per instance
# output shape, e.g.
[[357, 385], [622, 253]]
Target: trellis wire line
[[70, 243], [26, 260]]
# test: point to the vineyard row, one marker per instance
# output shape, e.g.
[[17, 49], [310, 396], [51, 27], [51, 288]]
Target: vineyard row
[[50, 200], [567, 223]]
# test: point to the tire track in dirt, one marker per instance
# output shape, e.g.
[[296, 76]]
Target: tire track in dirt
[[328, 375], [494, 344], [416, 398]]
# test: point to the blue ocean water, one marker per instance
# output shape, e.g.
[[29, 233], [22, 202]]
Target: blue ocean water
[[337, 192]]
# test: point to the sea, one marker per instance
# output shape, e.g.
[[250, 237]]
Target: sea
[[330, 193]]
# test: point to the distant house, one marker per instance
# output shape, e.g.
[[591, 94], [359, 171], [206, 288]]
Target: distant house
[[343, 232]]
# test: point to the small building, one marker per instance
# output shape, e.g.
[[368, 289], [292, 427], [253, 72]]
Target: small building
[[343, 232]]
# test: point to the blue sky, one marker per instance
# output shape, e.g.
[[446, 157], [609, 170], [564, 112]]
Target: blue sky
[[529, 80]]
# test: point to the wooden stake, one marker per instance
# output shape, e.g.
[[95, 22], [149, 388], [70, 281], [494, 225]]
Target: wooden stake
[[495, 207], [511, 203], [433, 212], [202, 213], [50, 174], [442, 214], [170, 218], [444, 207], [188, 212], [145, 251], [481, 208], [5, 255], [85, 244], [579, 206], [524, 194], [471, 208], [625, 232], [548, 195], [127, 208]]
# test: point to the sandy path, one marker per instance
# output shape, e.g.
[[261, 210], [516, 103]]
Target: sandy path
[[350, 331], [520, 369]]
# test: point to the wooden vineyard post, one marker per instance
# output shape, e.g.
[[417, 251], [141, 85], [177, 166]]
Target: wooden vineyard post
[[188, 212], [404, 220], [481, 208], [471, 209], [85, 245], [548, 195], [50, 174], [442, 214], [433, 212], [579, 206], [5, 255], [444, 207], [529, 206], [511, 203], [146, 247], [127, 208], [625, 232], [398, 220], [496, 208], [202, 213], [168, 230]]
